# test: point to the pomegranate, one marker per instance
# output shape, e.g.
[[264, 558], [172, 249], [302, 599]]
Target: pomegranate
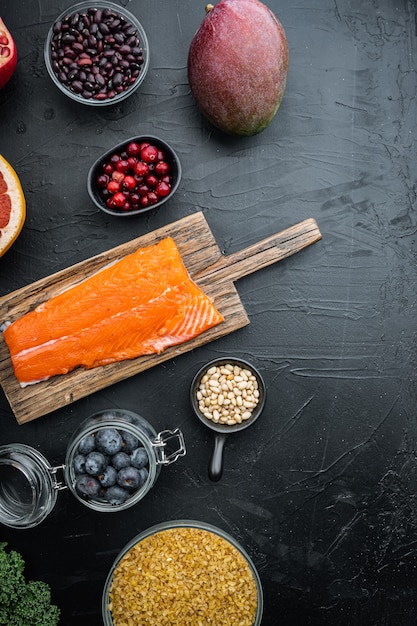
[[8, 55]]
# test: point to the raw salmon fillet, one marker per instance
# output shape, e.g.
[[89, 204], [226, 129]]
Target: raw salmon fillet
[[141, 304]]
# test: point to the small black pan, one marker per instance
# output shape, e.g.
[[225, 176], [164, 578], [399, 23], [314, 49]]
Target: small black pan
[[222, 431]]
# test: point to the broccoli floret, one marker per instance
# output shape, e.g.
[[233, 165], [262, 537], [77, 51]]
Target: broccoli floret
[[23, 603]]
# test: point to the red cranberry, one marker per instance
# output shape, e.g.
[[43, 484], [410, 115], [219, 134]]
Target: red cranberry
[[163, 189], [122, 166], [133, 148], [151, 180], [113, 186], [129, 182], [162, 168], [149, 154], [119, 199], [132, 162], [102, 180], [141, 168], [108, 169], [119, 176], [152, 197], [143, 190]]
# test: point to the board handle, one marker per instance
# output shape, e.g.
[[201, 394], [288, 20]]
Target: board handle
[[265, 252]]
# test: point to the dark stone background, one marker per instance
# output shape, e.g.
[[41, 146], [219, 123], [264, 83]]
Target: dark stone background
[[322, 490]]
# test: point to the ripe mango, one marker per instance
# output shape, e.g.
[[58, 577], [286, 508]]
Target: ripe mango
[[238, 65]]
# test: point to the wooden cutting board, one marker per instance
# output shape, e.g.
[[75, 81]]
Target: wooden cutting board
[[209, 268]]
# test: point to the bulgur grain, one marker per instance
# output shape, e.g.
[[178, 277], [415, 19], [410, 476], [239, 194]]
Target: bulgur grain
[[183, 576]]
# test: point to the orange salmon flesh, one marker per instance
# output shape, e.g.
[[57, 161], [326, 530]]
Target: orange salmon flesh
[[141, 304]]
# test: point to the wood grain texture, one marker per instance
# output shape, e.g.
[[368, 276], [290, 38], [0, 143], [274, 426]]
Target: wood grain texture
[[204, 261]]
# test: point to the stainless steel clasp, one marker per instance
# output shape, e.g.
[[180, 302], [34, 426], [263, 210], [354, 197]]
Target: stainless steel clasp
[[164, 441]]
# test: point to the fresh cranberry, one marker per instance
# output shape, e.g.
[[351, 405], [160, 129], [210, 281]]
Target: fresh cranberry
[[149, 154], [163, 189], [119, 176], [119, 199], [114, 159], [102, 180], [122, 166], [108, 169], [141, 168], [144, 202], [162, 168], [152, 197], [143, 144], [133, 148], [166, 179], [151, 180], [129, 182], [127, 206], [113, 186], [161, 155], [143, 190]]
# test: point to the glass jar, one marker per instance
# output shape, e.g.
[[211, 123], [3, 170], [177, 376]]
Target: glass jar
[[29, 485], [165, 558]]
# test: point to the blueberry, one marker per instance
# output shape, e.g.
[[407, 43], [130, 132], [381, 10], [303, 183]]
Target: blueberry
[[109, 477], [116, 495], [87, 444], [130, 442], [129, 478], [119, 460], [95, 463], [143, 475], [139, 458], [109, 441], [79, 464], [87, 486]]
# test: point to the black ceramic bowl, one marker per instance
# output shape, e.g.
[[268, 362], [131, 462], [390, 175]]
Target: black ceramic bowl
[[218, 422], [99, 194], [97, 53]]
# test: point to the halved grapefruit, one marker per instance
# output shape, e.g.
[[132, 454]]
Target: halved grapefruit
[[12, 206]]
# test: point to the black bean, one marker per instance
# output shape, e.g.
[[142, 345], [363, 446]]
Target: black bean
[[100, 80], [119, 38], [125, 49], [117, 79], [77, 86], [103, 28]]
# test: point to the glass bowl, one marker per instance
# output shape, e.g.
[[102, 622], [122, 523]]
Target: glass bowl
[[99, 194], [97, 53], [187, 572]]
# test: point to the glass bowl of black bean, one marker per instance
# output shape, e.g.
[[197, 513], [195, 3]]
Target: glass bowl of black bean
[[97, 54]]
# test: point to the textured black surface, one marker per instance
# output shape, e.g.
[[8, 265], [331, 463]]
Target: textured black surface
[[322, 489]]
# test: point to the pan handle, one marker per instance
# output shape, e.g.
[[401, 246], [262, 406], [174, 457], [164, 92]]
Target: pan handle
[[215, 471]]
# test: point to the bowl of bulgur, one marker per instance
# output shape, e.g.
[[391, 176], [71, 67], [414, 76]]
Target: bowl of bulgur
[[183, 573]]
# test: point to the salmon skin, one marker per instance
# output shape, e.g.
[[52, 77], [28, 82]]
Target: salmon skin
[[141, 304]]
